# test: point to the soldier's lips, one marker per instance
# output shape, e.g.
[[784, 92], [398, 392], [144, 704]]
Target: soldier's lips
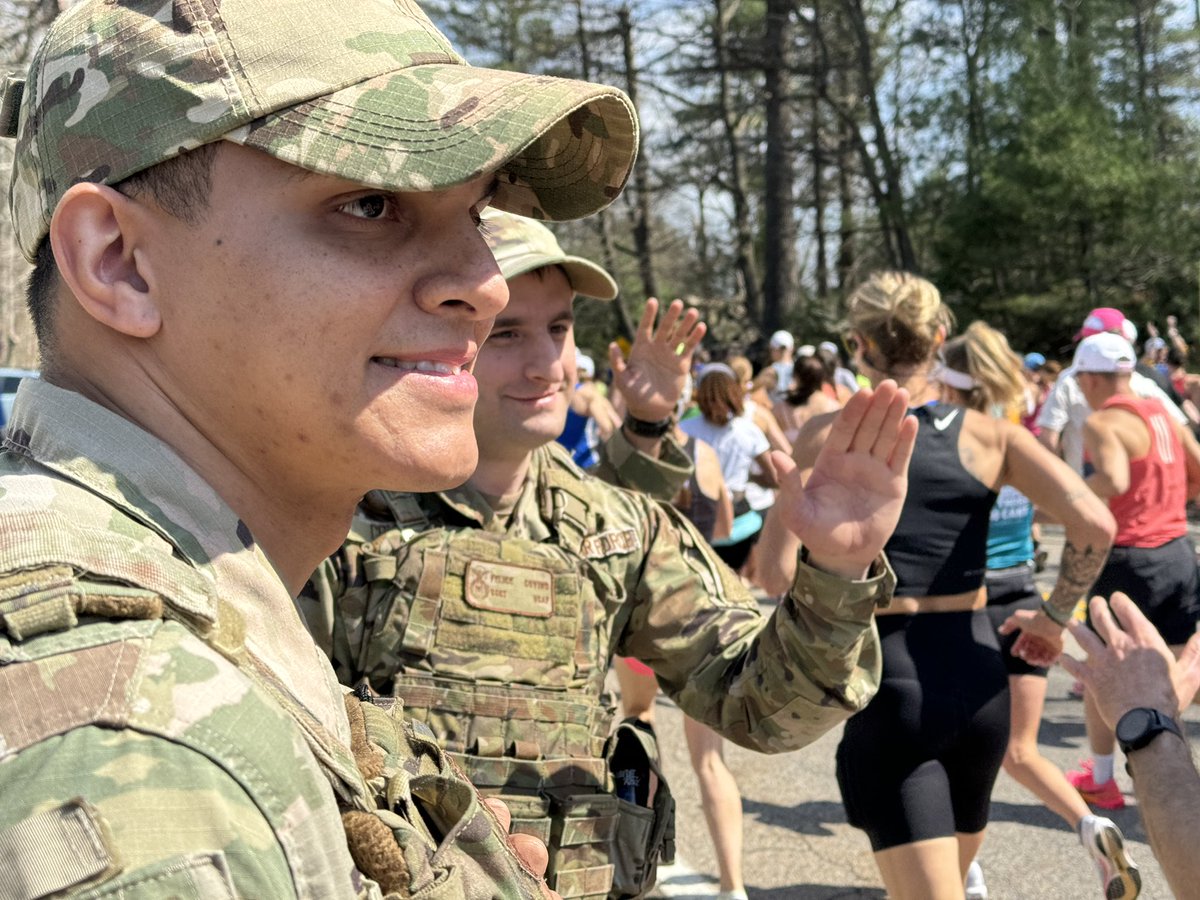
[[418, 365], [451, 379], [541, 401]]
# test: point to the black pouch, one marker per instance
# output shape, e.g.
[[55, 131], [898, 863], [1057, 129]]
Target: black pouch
[[645, 832]]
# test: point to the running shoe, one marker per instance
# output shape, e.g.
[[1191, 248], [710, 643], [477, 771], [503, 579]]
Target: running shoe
[[976, 888], [1118, 873], [1102, 796]]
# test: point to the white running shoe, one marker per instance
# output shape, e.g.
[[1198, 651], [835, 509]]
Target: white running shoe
[[1119, 875], [976, 889]]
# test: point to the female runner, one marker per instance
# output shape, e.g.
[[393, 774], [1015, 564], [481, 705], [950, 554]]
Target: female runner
[[981, 372], [916, 767]]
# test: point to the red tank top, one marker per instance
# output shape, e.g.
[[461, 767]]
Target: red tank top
[[1153, 510]]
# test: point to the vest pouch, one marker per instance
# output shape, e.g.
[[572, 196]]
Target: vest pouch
[[530, 815], [583, 832], [645, 832], [423, 831]]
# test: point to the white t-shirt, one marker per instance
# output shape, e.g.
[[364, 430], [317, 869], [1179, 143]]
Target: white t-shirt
[[1066, 409], [736, 444]]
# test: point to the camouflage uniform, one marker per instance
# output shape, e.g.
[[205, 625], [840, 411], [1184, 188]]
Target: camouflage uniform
[[168, 727], [499, 632]]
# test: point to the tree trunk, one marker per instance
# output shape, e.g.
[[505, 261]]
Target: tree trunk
[[847, 230], [890, 193], [818, 167], [603, 221], [742, 233], [820, 77], [641, 180], [779, 239]]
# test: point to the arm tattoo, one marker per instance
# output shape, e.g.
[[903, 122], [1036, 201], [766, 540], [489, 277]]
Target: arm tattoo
[[1077, 571]]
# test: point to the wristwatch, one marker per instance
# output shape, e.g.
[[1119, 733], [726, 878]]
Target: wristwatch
[[1141, 725], [642, 428]]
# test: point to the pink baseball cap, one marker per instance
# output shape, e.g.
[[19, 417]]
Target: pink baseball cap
[[1100, 320]]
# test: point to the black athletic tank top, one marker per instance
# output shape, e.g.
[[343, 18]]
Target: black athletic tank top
[[940, 543]]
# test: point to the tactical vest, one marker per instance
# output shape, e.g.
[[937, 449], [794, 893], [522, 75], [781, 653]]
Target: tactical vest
[[497, 643], [411, 822]]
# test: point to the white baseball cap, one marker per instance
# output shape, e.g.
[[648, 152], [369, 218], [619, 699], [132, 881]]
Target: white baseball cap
[[584, 364], [782, 340], [1106, 353]]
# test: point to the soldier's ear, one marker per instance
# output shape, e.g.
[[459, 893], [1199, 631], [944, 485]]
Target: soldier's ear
[[96, 234]]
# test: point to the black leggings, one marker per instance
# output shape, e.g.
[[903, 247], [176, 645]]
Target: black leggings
[[920, 761], [1009, 590]]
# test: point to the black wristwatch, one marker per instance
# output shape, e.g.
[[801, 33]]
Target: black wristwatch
[[642, 428], [1141, 725]]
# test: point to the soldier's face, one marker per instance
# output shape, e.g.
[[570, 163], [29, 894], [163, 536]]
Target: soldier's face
[[321, 333], [526, 370]]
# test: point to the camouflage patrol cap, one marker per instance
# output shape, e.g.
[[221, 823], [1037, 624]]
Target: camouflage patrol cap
[[521, 245], [367, 90]]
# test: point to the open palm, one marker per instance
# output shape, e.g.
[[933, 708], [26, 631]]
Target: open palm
[[850, 505], [652, 379]]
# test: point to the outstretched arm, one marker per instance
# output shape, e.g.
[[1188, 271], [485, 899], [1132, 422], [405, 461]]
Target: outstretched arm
[[1128, 665], [1089, 528]]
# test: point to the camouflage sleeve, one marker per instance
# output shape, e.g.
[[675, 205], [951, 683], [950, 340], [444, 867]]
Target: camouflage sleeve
[[163, 771], [623, 465], [156, 819], [770, 684]]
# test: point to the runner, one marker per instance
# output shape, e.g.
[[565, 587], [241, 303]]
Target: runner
[[982, 373], [916, 767]]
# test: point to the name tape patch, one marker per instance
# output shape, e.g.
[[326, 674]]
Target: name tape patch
[[517, 590], [610, 543]]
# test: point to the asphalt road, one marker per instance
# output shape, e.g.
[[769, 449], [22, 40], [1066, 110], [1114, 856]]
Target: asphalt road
[[798, 845]]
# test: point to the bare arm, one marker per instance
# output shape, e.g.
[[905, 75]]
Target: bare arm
[[588, 402], [1089, 528], [768, 477], [1050, 439], [712, 483], [765, 420], [1191, 456]]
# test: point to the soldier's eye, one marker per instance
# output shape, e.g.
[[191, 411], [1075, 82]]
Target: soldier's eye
[[370, 206]]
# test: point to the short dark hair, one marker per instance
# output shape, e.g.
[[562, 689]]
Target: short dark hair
[[180, 186], [719, 397]]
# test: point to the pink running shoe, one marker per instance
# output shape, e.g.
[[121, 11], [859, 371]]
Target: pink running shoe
[[1102, 796]]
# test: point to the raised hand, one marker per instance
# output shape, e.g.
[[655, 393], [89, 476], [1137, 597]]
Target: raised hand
[[1128, 663], [852, 501], [652, 379]]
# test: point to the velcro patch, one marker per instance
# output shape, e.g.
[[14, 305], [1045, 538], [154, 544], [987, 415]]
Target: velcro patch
[[502, 587], [610, 543], [54, 850]]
